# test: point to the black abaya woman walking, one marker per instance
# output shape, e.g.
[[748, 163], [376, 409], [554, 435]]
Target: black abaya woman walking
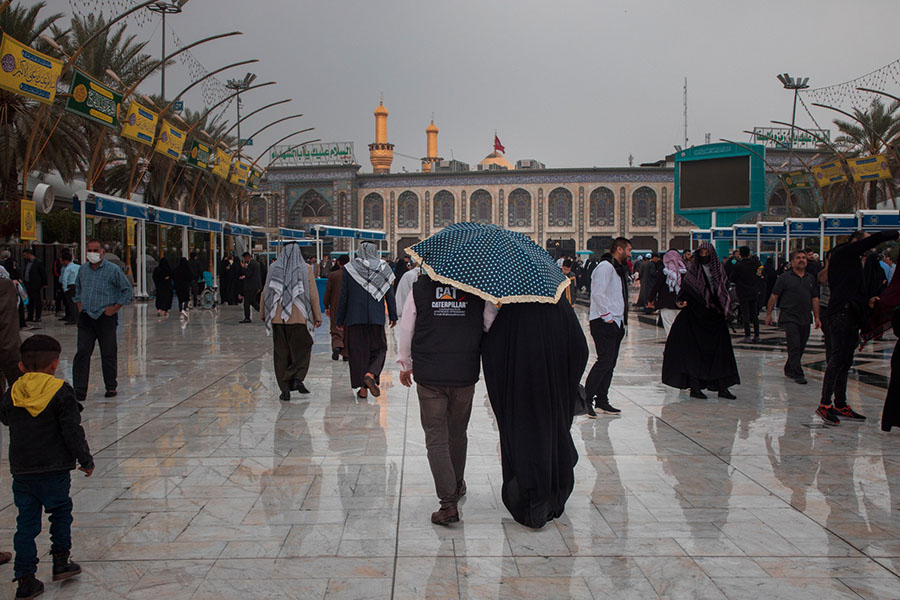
[[162, 279]]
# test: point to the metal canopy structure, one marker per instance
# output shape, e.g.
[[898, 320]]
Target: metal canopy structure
[[348, 232], [876, 220], [291, 234]]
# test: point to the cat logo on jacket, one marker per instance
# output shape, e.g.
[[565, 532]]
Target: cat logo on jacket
[[449, 302]]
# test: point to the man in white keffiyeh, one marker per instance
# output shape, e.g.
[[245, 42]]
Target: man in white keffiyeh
[[291, 312]]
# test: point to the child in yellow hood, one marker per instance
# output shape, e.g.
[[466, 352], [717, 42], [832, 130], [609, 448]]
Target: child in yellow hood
[[45, 441]]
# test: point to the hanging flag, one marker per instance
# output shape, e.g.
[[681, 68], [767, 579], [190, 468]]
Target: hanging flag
[[129, 229], [498, 147], [796, 180], [28, 229], [27, 72], [171, 140], [140, 124], [241, 171], [253, 180], [829, 173], [868, 168], [199, 155], [222, 164], [92, 100]]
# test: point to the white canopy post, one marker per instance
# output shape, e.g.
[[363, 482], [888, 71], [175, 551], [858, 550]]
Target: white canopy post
[[185, 252], [84, 229]]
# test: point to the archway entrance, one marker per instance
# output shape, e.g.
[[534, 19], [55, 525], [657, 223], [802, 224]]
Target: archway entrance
[[561, 247]]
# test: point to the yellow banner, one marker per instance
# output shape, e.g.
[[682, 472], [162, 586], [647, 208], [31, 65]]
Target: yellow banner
[[140, 124], [222, 164], [241, 171], [129, 228], [27, 72], [29, 221], [829, 173], [171, 141], [867, 168]]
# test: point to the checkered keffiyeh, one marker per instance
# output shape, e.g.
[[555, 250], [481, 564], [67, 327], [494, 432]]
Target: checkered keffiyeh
[[369, 271]]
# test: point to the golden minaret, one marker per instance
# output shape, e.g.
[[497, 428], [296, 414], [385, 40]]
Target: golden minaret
[[431, 156], [381, 153]]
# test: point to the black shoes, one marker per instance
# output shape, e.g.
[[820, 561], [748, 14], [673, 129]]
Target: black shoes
[[29, 587], [285, 396], [299, 387], [110, 394], [591, 413], [607, 408], [755, 339], [801, 380], [848, 414], [336, 353], [727, 394], [696, 393], [827, 414], [747, 339], [63, 568], [245, 321]]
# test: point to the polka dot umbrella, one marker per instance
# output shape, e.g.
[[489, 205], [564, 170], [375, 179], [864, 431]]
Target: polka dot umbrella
[[496, 264]]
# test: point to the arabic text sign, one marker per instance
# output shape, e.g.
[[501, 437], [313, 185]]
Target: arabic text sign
[[171, 140], [29, 221], [199, 155], [129, 228], [829, 173], [27, 72], [222, 164], [140, 124], [331, 153], [92, 100], [241, 170], [796, 179], [868, 168], [253, 181], [780, 137]]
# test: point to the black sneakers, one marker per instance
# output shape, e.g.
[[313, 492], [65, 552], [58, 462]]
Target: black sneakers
[[698, 394], [845, 412], [828, 415]]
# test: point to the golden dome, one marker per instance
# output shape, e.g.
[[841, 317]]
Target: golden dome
[[381, 110], [495, 158], [432, 128]]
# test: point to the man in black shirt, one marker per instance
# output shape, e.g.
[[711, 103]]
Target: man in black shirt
[[745, 275], [847, 310], [799, 295]]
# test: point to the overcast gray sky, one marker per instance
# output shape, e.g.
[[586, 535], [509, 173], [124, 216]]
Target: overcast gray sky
[[569, 83]]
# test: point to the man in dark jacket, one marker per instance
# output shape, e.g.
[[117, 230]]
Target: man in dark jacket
[[745, 275], [34, 278], [330, 300], [252, 286], [438, 342], [45, 440]]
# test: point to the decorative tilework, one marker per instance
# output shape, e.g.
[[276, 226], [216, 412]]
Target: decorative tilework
[[622, 210], [540, 213], [581, 216]]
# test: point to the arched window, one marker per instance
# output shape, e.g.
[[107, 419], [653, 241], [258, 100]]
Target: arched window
[[559, 208], [373, 211], [444, 209], [519, 208], [643, 207], [408, 210], [311, 207], [603, 202], [480, 207]]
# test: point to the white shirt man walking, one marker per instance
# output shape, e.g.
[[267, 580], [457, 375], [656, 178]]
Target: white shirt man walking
[[608, 318]]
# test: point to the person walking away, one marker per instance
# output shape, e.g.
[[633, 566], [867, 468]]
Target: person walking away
[[34, 277], [608, 319], [196, 274], [847, 310], [666, 289], [890, 413], [9, 336], [9, 263], [100, 291], [183, 279], [330, 300], [797, 294], [404, 288], [58, 304], [366, 287], [162, 279], [67, 276], [45, 441], [745, 277], [252, 285], [824, 298], [647, 277], [264, 267], [571, 292], [698, 352], [437, 317], [534, 356], [290, 310]]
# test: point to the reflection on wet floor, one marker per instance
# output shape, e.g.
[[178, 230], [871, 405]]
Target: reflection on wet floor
[[207, 486]]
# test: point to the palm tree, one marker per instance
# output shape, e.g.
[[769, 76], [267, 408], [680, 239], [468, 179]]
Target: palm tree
[[65, 149], [878, 125]]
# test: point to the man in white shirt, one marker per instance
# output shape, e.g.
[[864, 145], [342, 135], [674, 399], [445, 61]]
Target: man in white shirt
[[608, 318], [405, 287]]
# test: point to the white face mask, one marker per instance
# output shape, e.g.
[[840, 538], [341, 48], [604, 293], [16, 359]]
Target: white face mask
[[93, 257]]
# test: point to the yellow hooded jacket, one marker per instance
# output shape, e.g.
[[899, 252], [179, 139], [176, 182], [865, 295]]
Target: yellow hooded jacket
[[34, 391]]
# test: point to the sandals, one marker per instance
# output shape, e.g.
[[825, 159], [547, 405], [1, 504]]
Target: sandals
[[372, 385]]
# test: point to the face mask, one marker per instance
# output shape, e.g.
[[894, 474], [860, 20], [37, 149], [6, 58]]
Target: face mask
[[93, 257], [704, 260]]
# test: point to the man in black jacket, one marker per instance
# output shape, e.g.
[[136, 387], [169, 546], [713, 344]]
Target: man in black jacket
[[439, 341], [745, 275], [45, 440], [848, 309], [252, 285], [34, 278]]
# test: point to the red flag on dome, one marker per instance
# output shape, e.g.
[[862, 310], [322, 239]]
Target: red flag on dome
[[497, 145]]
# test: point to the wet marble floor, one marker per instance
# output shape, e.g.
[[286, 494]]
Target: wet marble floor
[[207, 486]]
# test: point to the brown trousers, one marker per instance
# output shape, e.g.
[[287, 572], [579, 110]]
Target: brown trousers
[[337, 336], [292, 350], [444, 412]]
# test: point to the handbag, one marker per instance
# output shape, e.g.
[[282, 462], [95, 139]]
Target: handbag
[[580, 405]]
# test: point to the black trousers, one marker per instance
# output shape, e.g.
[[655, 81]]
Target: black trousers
[[367, 348], [195, 293], [826, 333], [101, 330], [607, 339], [251, 299], [21, 315], [797, 336], [292, 347], [750, 313], [69, 302], [843, 330], [34, 302]]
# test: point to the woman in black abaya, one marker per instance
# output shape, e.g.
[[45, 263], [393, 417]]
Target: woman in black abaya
[[698, 351], [534, 356], [162, 279]]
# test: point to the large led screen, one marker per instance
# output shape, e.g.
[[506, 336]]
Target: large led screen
[[715, 183]]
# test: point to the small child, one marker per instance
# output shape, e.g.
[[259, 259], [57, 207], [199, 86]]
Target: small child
[[45, 439]]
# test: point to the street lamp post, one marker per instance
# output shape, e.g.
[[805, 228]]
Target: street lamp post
[[166, 8], [796, 84], [240, 85]]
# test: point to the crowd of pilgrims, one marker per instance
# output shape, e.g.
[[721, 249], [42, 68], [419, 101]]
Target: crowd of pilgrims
[[533, 373]]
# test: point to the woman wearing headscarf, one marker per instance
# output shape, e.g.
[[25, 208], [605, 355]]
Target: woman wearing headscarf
[[365, 288], [667, 287], [290, 310], [162, 279], [183, 278], [403, 265], [534, 355], [698, 352]]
